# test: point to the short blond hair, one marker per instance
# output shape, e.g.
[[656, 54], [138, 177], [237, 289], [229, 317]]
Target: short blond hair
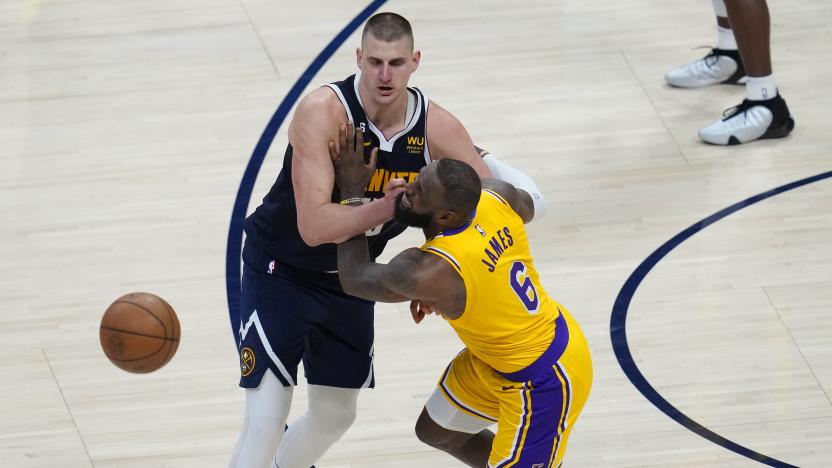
[[388, 27]]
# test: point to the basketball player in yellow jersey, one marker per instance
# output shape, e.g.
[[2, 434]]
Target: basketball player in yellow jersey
[[526, 366]]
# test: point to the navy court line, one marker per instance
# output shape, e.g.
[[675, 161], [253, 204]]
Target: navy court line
[[234, 246], [618, 322]]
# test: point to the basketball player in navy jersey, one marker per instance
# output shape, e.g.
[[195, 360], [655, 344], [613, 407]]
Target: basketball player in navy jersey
[[293, 308]]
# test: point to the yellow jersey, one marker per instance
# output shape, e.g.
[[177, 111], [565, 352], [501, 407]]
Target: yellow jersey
[[509, 320]]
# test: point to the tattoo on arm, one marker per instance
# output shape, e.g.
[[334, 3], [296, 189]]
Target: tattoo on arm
[[361, 277]]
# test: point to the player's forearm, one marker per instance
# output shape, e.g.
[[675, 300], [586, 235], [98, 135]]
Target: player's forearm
[[333, 223], [359, 275]]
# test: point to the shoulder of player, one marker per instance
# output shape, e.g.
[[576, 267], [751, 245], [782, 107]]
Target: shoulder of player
[[502, 188], [319, 112], [438, 118], [518, 200], [410, 259], [444, 130], [320, 102]]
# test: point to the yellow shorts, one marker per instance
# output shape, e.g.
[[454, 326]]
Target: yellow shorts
[[534, 418]]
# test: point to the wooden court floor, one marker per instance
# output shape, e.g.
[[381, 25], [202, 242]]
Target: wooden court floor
[[125, 128]]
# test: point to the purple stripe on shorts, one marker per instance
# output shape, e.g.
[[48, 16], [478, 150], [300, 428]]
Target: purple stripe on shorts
[[562, 425], [524, 421], [547, 422]]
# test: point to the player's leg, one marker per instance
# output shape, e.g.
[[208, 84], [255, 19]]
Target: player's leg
[[722, 64], [331, 411], [338, 362], [763, 114], [536, 415], [535, 421], [276, 316], [454, 432], [267, 408], [574, 369], [456, 416], [752, 26]]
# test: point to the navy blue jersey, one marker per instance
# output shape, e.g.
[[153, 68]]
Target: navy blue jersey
[[273, 227]]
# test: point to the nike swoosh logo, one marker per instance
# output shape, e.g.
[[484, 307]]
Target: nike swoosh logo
[[367, 143]]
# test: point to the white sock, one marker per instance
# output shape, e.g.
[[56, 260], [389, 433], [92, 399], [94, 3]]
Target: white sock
[[725, 39], [330, 413], [719, 8], [267, 408], [760, 88]]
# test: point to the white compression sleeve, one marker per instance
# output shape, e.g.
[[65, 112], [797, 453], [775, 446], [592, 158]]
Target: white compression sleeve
[[267, 408], [506, 173], [330, 412]]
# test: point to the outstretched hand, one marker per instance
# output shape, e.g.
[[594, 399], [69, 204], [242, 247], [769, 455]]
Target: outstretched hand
[[352, 173]]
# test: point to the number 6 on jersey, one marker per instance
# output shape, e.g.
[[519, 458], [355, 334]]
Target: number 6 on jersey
[[522, 285]]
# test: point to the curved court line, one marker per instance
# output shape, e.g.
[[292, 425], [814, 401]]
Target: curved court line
[[618, 322], [234, 246]]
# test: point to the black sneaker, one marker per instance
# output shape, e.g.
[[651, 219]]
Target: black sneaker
[[749, 121]]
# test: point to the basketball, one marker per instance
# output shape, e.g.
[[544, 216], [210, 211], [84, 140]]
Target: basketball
[[139, 332]]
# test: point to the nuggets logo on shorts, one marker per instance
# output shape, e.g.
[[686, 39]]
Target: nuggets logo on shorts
[[246, 361]]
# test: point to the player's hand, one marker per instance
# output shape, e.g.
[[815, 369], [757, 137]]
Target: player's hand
[[352, 174], [391, 193], [418, 310]]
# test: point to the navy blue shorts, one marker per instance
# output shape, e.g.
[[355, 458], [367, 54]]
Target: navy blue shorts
[[289, 315]]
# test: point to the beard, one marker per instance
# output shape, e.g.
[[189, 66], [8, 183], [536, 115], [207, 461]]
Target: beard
[[410, 217]]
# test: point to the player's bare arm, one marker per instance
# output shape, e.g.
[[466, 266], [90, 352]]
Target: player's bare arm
[[519, 200], [361, 277], [320, 221], [448, 138], [412, 274]]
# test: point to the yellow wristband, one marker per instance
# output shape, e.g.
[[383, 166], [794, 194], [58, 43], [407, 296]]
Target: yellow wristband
[[349, 201]]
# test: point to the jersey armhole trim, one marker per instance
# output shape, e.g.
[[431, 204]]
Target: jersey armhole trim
[[444, 255], [496, 195], [425, 100], [342, 99]]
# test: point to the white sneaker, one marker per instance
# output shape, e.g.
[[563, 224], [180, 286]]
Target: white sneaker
[[719, 66], [749, 121]]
